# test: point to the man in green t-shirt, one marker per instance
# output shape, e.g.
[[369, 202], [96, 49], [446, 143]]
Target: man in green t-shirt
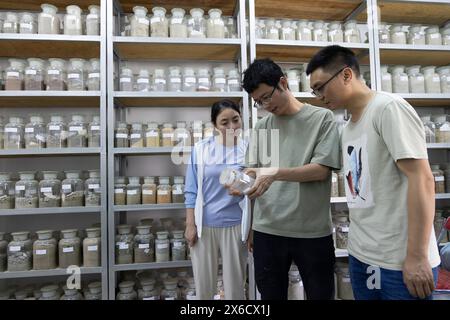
[[291, 218], [388, 183]]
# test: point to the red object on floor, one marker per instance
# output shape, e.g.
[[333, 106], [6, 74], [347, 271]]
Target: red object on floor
[[443, 280]]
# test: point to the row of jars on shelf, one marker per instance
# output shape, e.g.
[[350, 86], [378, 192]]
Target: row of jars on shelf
[[50, 192], [138, 135], [305, 30], [140, 24], [44, 253], [344, 286], [175, 81], [55, 134], [49, 22], [55, 291], [437, 128], [144, 248], [153, 190], [56, 75], [341, 225], [415, 79], [416, 34]]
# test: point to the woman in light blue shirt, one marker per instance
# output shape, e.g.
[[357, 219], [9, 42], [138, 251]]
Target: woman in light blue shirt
[[213, 217]]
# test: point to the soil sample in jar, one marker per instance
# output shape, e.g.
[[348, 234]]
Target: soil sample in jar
[[149, 191], [144, 245], [164, 191], [178, 246], [35, 132], [3, 252], [334, 185], [69, 249], [92, 187], [153, 135], [120, 191], [124, 245], [127, 291], [178, 190], [26, 191], [162, 243], [92, 248], [121, 135], [50, 190], [7, 191], [20, 253], [72, 190], [341, 184], [94, 133], [134, 191], [56, 132], [439, 178], [44, 251], [77, 132], [168, 133], [136, 136]]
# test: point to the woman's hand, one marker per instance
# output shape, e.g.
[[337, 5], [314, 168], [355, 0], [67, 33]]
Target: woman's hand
[[250, 241], [191, 234]]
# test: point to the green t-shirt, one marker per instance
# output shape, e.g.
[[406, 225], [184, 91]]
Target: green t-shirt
[[293, 209]]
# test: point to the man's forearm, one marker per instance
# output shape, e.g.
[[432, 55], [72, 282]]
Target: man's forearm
[[307, 173], [190, 217]]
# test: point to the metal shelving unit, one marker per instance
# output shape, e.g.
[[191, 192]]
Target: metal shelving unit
[[62, 46], [150, 266]]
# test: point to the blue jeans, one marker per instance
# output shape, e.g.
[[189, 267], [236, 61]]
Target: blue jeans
[[389, 287]]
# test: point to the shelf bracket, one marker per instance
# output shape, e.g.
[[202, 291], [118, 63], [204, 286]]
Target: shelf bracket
[[355, 13]]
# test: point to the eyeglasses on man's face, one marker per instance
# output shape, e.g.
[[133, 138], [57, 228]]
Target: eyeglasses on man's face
[[265, 101], [318, 92]]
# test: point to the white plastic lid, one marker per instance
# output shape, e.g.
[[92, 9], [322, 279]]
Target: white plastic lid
[[214, 13], [36, 63], [144, 73], [77, 63], [57, 63], [159, 73], [140, 11], [78, 118], [174, 71], [189, 72], [36, 119], [178, 12], [93, 9], [49, 8], [196, 12], [413, 70], [159, 11], [73, 10]]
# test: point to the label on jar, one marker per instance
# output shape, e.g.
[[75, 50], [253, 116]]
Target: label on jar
[[403, 78], [68, 249], [125, 80], [75, 128], [143, 80], [93, 186], [67, 187], [123, 246], [386, 77], [436, 79], [46, 190], [29, 130], [143, 21], [122, 135], [147, 192], [131, 192], [177, 244], [150, 298], [73, 76], [53, 72], [92, 248], [176, 20], [12, 74], [177, 192], [144, 246], [163, 193], [10, 129], [189, 79], [203, 80], [273, 31], [95, 128], [20, 188], [217, 297], [167, 135], [33, 72], [151, 134], [439, 179], [160, 81], [384, 36], [136, 136], [233, 81], [156, 19], [169, 298], [41, 252], [15, 248], [420, 78], [7, 25], [182, 135], [175, 80], [54, 128], [334, 179], [191, 297], [445, 127], [94, 75], [220, 81], [162, 246], [118, 190], [198, 135], [345, 229], [435, 35]]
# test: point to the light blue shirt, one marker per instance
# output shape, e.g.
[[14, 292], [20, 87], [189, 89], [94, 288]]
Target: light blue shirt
[[220, 209]]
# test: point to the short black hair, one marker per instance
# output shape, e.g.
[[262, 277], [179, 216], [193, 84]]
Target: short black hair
[[262, 71], [219, 106], [332, 58]]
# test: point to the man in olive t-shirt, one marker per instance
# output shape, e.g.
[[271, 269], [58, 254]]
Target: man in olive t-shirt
[[291, 218]]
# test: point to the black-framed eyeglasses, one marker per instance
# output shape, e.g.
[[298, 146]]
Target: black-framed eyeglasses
[[264, 102], [317, 92]]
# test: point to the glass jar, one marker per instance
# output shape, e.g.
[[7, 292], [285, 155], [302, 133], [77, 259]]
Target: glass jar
[[48, 21], [20, 253], [72, 190], [341, 184], [136, 136], [190, 292], [56, 75], [196, 24], [164, 191], [148, 292], [178, 24], [178, 245], [233, 83], [50, 190], [14, 74], [215, 26], [94, 133], [344, 286], [189, 80], [77, 137], [236, 179], [14, 134], [124, 245], [231, 30], [175, 79], [439, 179], [71, 294], [219, 80], [144, 245], [139, 22], [178, 190], [260, 29], [398, 36], [386, 79], [197, 131], [50, 292], [319, 32], [7, 191], [126, 79], [159, 25], [342, 229], [203, 80], [444, 74], [305, 80], [34, 74], [143, 81], [120, 191], [93, 21], [168, 135], [334, 185], [26, 191], [69, 248], [430, 129], [127, 291], [400, 81], [445, 32], [432, 80], [208, 131], [416, 80], [152, 135], [384, 36], [293, 80], [35, 133], [27, 24], [72, 21], [2, 133], [170, 291], [3, 252], [11, 23], [75, 75], [352, 33], [44, 251], [442, 128], [149, 191], [272, 32], [287, 32], [122, 135], [162, 246], [92, 188], [433, 36], [94, 291], [92, 248], [134, 191], [159, 81], [415, 35], [304, 31], [93, 81], [335, 33], [56, 132]]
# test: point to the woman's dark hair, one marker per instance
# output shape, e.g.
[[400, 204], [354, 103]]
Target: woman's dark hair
[[219, 106]]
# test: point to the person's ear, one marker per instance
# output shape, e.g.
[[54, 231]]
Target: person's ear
[[283, 83], [348, 75]]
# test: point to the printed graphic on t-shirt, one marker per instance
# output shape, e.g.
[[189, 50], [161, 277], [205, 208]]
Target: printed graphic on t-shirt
[[357, 174]]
